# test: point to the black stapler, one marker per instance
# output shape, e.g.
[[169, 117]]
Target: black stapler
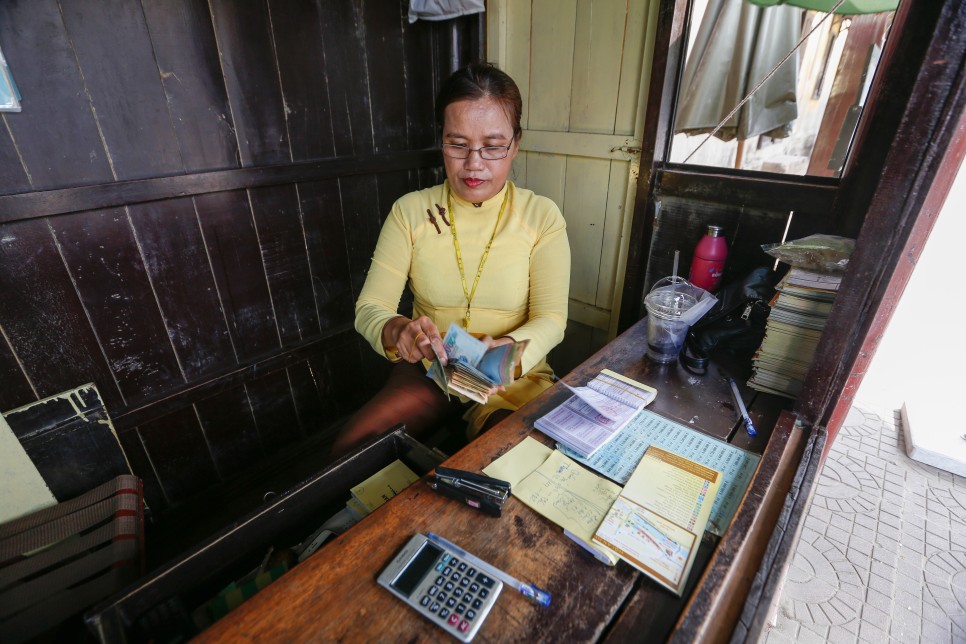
[[475, 490]]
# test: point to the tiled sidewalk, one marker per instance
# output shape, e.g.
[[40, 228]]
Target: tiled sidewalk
[[882, 556]]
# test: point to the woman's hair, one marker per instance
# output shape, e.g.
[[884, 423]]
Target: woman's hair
[[477, 81]]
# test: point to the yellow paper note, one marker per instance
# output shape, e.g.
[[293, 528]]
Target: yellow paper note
[[572, 497], [519, 462], [384, 484], [558, 488]]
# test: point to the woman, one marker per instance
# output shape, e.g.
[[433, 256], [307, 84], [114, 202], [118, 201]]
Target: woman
[[475, 250]]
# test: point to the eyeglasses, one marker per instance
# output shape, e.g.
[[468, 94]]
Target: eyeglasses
[[487, 153]]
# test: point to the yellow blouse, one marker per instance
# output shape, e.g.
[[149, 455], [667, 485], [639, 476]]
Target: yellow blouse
[[524, 285]]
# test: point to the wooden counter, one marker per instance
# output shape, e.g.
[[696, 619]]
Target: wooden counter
[[333, 596]]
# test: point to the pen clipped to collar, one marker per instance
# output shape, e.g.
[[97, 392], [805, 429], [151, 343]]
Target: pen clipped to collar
[[475, 490]]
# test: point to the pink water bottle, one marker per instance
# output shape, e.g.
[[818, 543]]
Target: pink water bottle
[[708, 263]]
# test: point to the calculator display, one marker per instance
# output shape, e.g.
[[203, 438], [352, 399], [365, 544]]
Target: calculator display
[[422, 563]]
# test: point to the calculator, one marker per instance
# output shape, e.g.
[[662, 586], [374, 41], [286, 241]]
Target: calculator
[[442, 587]]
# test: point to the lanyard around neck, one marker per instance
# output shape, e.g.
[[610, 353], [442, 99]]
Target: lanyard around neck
[[459, 256]]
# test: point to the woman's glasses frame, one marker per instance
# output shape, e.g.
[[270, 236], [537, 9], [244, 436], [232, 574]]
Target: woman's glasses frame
[[487, 153]]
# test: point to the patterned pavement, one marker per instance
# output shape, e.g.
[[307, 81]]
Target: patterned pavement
[[882, 555]]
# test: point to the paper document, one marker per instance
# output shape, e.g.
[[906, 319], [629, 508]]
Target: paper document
[[812, 280], [22, 488], [383, 485], [559, 489], [519, 462], [617, 459], [657, 521], [595, 413]]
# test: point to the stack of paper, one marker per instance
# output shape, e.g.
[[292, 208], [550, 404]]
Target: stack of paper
[[657, 521], [618, 459], [379, 488], [595, 413], [792, 333], [674, 492], [559, 489]]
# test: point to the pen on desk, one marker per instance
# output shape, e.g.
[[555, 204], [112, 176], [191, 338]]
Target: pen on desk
[[538, 595], [741, 408]]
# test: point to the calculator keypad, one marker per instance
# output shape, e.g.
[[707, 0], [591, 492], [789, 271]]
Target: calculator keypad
[[459, 583], [448, 591]]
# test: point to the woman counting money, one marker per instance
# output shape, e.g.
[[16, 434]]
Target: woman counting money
[[476, 251]]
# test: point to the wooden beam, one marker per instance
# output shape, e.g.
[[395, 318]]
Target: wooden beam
[[744, 189], [864, 33], [31, 205], [672, 21], [714, 608]]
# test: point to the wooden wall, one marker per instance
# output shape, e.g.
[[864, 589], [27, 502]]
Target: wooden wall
[[582, 67], [752, 208], [188, 204]]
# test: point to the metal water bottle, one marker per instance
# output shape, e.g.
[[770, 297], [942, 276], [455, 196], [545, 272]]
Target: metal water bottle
[[708, 263]]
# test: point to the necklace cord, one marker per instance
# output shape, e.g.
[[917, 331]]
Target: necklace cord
[[469, 294]]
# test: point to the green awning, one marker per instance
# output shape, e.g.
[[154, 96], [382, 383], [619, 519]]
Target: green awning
[[848, 7]]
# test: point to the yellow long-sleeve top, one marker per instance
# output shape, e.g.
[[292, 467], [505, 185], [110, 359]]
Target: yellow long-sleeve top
[[524, 285]]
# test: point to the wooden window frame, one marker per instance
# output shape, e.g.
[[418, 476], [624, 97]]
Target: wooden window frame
[[888, 196]]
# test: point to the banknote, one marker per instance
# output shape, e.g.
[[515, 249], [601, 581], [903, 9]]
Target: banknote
[[462, 347], [437, 372], [472, 370]]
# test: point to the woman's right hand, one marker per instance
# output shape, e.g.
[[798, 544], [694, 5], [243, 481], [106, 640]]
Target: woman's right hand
[[414, 339]]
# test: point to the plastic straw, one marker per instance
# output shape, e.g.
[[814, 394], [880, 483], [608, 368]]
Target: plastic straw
[[674, 276]]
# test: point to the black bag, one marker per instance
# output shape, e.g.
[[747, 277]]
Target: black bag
[[737, 320]]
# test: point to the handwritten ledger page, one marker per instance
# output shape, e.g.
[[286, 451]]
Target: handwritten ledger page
[[556, 487]]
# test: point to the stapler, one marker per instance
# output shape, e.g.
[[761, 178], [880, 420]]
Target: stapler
[[475, 490]]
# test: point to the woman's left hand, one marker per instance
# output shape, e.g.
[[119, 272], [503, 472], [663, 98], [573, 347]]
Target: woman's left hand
[[496, 342]]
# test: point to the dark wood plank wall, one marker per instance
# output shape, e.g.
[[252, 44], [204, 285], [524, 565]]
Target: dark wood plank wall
[[188, 204]]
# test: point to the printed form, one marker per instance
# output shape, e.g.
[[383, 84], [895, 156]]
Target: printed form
[[657, 522]]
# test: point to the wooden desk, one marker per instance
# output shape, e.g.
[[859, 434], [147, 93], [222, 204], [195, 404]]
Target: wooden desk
[[333, 596]]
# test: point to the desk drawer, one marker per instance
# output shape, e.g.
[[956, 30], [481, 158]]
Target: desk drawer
[[159, 605]]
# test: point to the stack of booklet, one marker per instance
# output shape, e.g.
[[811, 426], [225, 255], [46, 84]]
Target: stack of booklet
[[365, 497], [658, 519], [595, 413], [798, 316]]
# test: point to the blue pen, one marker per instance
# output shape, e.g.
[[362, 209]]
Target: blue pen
[[741, 408], [538, 595]]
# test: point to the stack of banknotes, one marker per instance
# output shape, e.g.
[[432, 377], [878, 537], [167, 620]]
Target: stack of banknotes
[[471, 369]]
